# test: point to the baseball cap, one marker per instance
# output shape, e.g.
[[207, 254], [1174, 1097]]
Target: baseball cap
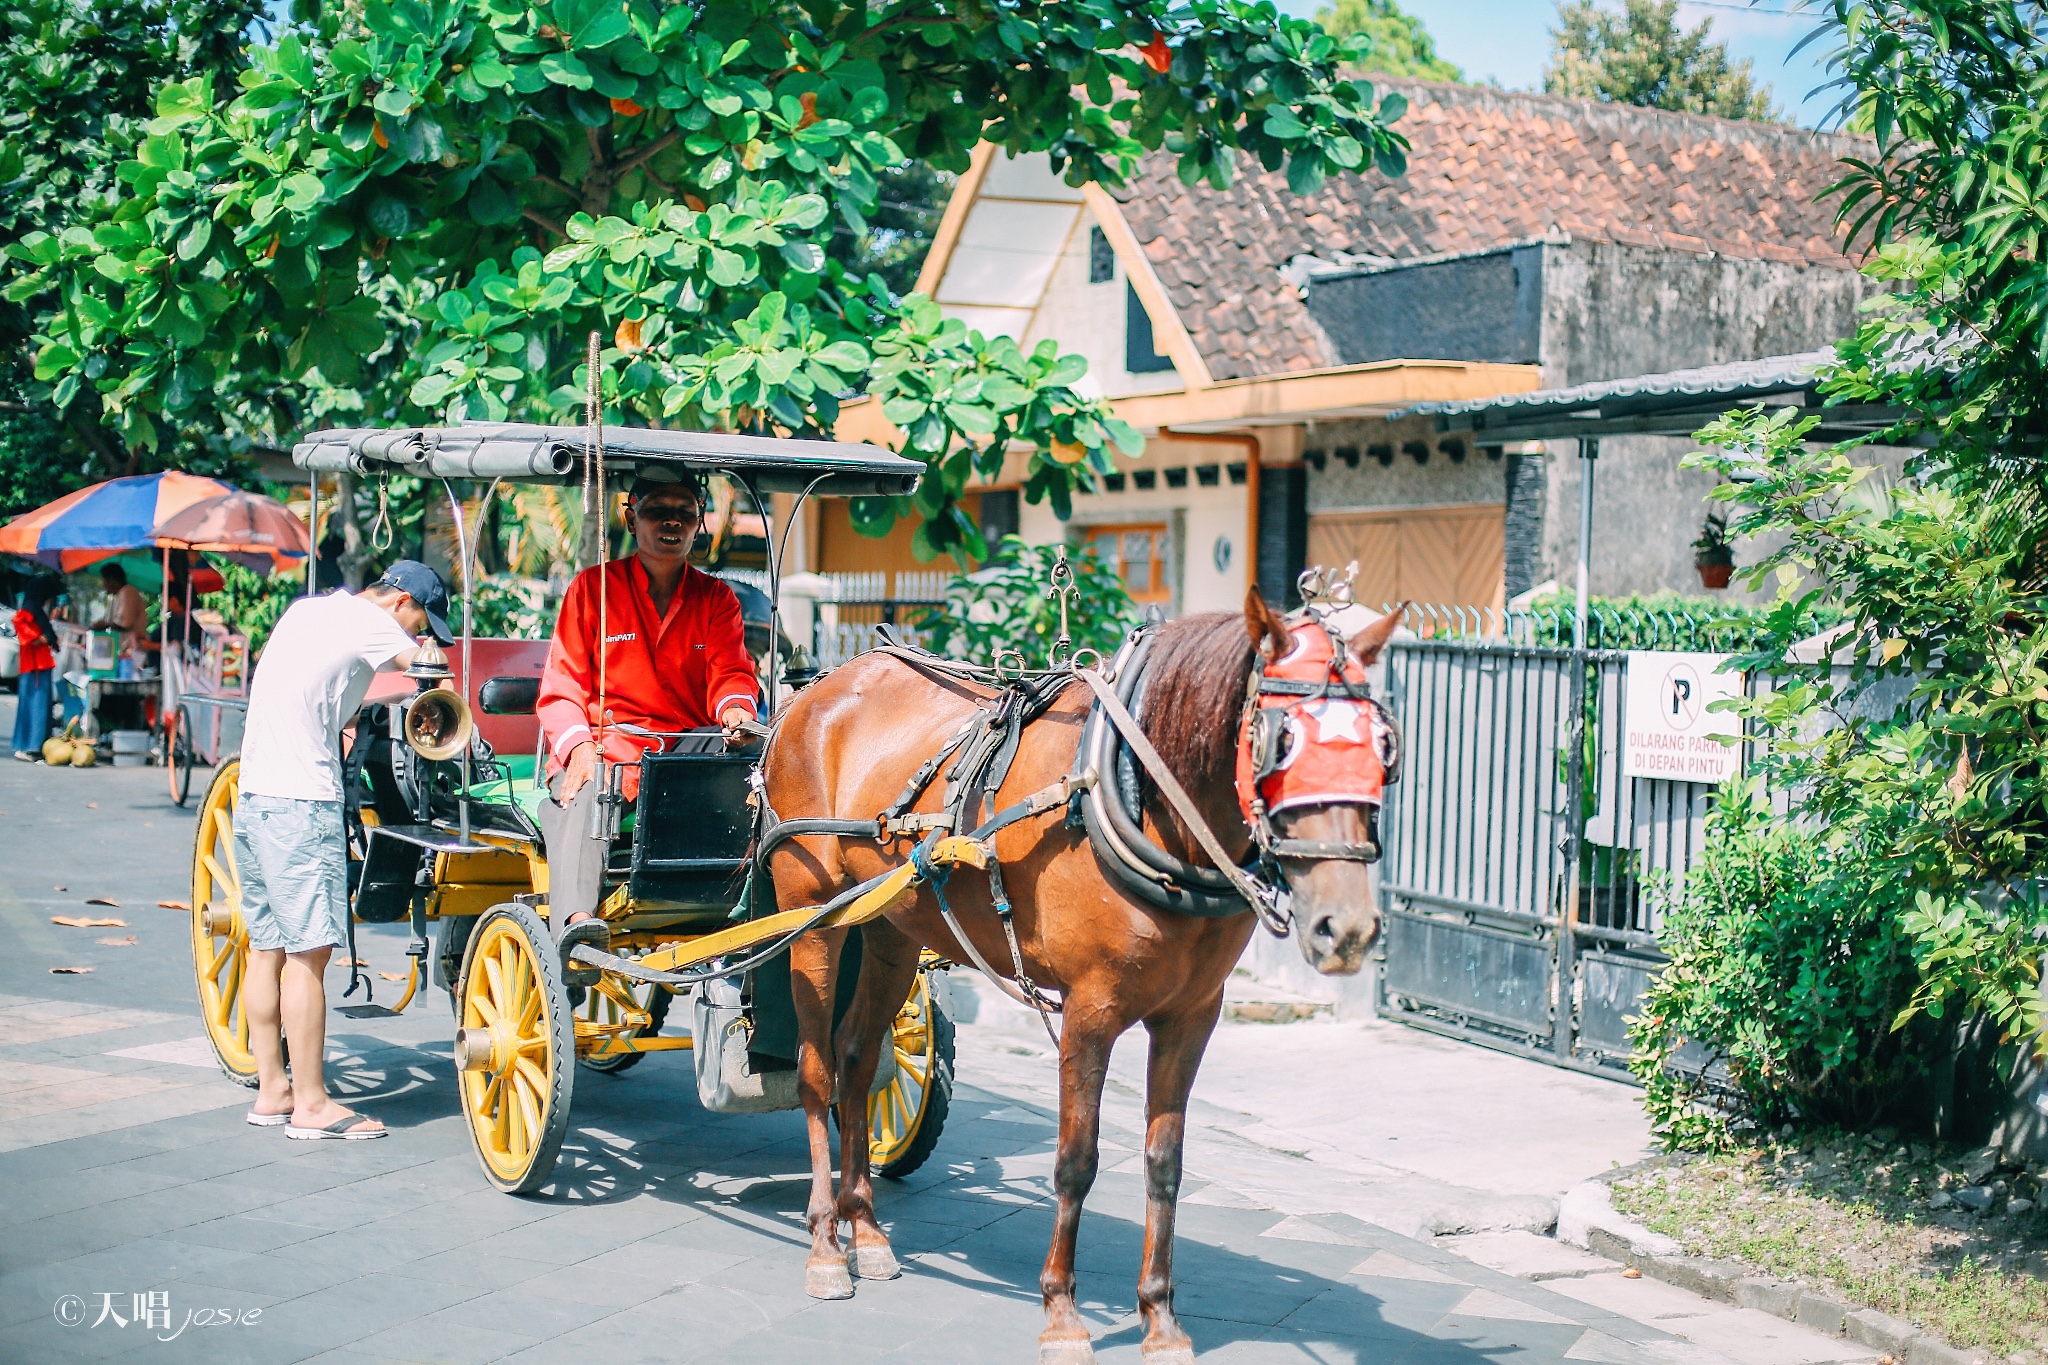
[[654, 478], [425, 587]]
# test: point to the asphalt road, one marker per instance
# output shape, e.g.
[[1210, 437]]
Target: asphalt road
[[671, 1234]]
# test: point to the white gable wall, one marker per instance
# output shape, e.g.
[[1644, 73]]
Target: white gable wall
[[1089, 319]]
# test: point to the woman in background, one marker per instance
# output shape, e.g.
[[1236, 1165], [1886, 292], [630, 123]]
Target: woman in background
[[33, 631]]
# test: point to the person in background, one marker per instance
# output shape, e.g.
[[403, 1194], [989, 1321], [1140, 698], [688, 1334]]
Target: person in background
[[36, 636], [127, 611], [290, 848]]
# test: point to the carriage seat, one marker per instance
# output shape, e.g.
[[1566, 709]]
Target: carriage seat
[[513, 696]]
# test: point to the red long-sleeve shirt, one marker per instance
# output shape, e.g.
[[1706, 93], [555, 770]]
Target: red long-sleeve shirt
[[673, 672], [35, 650]]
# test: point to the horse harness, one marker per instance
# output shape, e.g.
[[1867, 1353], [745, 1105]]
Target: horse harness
[[1104, 796]]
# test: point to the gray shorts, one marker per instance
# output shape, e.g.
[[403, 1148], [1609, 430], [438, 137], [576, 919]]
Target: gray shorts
[[292, 858]]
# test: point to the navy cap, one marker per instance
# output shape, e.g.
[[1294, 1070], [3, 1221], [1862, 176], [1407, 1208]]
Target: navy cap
[[425, 587], [656, 478]]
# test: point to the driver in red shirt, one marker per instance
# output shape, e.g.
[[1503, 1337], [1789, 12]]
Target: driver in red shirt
[[675, 658]]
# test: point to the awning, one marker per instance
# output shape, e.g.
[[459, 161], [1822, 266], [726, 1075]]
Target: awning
[[531, 453], [1676, 403]]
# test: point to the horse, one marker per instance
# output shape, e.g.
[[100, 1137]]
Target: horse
[[849, 744]]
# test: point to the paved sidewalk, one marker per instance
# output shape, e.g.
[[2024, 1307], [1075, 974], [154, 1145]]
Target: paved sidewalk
[[676, 1236]]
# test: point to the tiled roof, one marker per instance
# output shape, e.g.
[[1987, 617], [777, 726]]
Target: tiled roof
[[1487, 167]]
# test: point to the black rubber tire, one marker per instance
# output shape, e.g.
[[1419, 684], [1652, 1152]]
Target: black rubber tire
[[539, 950], [938, 1100], [178, 757], [657, 1009], [449, 952]]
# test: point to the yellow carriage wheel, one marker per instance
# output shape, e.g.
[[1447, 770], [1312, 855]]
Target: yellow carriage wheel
[[220, 936], [515, 1051], [906, 1115]]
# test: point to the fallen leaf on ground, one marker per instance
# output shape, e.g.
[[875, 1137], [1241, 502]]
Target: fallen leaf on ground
[[92, 805], [351, 962], [392, 976], [175, 905], [1632, 1274], [69, 971], [60, 888], [128, 942], [87, 922], [102, 900]]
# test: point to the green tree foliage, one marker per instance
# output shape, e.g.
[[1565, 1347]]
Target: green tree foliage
[[1789, 963], [1401, 46], [418, 210], [1642, 56], [1004, 606], [76, 84], [909, 202]]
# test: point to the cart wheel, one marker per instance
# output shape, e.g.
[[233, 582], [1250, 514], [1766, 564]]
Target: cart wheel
[[515, 1049], [598, 1007], [178, 755], [220, 937], [906, 1116]]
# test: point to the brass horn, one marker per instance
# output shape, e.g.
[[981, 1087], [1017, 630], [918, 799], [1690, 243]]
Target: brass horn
[[438, 723]]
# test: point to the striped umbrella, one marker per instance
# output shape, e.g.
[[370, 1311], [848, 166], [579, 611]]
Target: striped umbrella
[[90, 525], [241, 526]]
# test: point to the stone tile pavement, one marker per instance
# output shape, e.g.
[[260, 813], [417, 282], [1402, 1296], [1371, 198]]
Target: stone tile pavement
[[673, 1235]]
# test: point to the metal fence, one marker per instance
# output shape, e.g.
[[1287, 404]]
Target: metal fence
[[1524, 878], [853, 604]]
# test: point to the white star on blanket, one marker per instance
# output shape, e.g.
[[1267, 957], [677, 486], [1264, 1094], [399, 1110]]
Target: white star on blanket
[[1336, 720]]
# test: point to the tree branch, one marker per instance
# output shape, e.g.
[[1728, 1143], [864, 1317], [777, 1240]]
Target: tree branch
[[546, 222], [555, 184], [654, 148]]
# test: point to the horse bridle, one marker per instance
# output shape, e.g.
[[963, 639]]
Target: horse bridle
[[1266, 732]]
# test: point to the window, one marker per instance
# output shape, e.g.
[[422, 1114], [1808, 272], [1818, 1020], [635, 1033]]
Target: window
[[1101, 259], [1138, 555], [1139, 355]]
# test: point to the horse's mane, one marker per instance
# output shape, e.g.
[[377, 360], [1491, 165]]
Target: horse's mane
[[1194, 692]]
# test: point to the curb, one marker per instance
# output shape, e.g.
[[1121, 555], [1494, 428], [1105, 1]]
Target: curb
[[1586, 1218]]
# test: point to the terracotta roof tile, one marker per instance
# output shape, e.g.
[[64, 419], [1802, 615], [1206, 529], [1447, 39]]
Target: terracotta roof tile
[[1487, 167]]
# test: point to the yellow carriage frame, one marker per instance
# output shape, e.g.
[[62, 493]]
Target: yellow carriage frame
[[517, 1042]]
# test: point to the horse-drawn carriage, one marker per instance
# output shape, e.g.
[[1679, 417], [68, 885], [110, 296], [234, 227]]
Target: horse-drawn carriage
[[443, 837], [1122, 866]]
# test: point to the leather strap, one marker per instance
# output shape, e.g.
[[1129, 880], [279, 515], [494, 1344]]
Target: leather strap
[[1259, 898]]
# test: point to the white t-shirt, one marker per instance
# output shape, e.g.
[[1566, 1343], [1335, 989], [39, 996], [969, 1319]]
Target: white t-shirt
[[308, 685]]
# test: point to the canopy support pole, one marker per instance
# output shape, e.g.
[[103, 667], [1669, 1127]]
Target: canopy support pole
[[313, 533], [1589, 454]]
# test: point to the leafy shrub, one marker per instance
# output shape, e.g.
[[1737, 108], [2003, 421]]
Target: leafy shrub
[[1004, 605], [1789, 966], [1665, 621], [508, 607]]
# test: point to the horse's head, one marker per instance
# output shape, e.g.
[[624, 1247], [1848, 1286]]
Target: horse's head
[[1315, 767]]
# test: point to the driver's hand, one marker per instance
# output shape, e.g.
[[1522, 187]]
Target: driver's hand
[[582, 766], [732, 718]]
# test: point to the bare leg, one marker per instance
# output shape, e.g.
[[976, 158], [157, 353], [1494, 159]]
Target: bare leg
[[813, 974], [888, 968], [1085, 1042], [303, 997], [1177, 1045], [266, 1039]]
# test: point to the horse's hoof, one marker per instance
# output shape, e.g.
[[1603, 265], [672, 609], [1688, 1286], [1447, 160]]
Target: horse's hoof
[[875, 1263], [1066, 1351], [1169, 1355], [828, 1281]]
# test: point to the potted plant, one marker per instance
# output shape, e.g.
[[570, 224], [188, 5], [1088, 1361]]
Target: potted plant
[[1711, 553]]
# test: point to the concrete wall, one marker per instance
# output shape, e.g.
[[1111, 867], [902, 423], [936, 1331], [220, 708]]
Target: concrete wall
[[1338, 487]]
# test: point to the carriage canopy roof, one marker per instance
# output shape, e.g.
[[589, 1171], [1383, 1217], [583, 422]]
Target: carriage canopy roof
[[530, 453]]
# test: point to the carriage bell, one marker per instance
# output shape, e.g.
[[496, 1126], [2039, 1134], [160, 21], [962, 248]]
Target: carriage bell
[[438, 724]]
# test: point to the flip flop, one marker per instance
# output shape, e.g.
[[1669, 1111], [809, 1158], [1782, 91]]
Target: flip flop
[[256, 1120], [340, 1128]]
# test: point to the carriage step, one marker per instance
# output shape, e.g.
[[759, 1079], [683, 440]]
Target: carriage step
[[367, 1012]]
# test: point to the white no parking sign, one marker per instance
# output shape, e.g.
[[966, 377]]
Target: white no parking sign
[[1669, 732]]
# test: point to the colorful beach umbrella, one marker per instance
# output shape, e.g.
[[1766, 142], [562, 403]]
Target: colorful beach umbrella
[[82, 528], [238, 524]]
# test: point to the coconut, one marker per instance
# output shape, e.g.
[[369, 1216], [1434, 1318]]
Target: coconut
[[83, 755], [56, 750]]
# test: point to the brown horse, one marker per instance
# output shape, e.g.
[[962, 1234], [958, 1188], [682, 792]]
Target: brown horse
[[847, 746]]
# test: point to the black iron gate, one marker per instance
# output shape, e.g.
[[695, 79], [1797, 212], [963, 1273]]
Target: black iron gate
[[1513, 892]]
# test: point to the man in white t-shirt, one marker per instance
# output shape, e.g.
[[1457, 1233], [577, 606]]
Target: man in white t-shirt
[[290, 851]]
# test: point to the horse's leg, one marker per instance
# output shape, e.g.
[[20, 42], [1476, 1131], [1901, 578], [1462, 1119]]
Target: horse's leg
[[813, 974], [888, 966], [1085, 1040], [1177, 1044]]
